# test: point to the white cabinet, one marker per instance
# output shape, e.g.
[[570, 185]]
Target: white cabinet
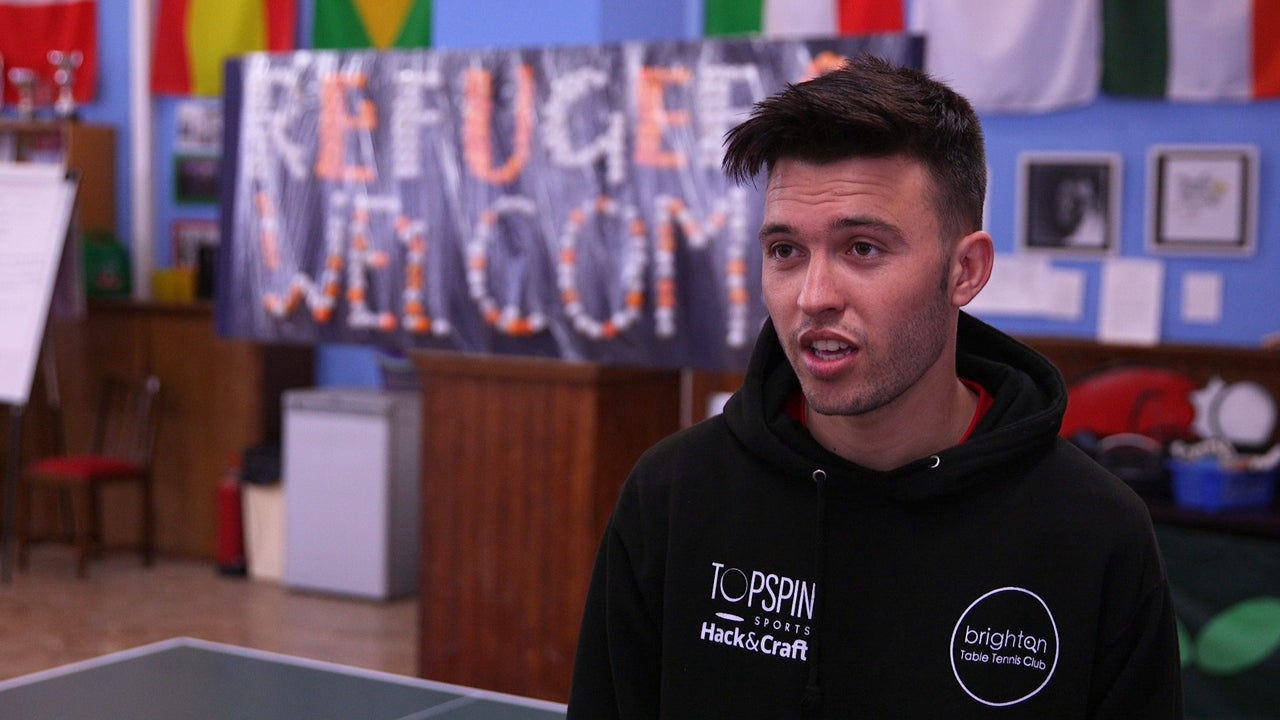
[[351, 474]]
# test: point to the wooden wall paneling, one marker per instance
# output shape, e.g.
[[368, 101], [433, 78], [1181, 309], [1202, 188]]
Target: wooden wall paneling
[[209, 415], [705, 384], [218, 396], [522, 461], [91, 150]]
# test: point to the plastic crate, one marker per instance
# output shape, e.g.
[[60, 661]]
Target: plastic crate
[[1206, 485]]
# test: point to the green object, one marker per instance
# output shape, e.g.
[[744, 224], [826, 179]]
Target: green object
[[342, 24], [1239, 638], [1135, 47], [733, 17], [106, 265]]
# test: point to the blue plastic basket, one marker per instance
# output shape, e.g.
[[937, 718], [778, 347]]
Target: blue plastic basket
[[1206, 485]]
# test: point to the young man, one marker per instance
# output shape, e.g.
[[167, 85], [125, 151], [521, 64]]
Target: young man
[[884, 521]]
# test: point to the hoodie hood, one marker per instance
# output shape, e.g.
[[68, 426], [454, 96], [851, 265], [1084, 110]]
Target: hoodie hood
[[1029, 400]]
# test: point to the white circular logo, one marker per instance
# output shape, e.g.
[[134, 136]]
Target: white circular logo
[[1004, 647], [733, 585]]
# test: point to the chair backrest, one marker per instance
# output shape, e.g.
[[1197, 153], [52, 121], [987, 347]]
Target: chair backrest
[[126, 421]]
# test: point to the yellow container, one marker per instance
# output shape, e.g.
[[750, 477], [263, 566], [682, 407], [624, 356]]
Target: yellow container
[[173, 285]]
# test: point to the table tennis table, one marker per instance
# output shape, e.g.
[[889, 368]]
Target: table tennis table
[[201, 680]]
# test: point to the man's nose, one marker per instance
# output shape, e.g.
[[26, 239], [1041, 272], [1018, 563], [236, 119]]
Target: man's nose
[[821, 291]]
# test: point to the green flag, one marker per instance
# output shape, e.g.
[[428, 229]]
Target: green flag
[[382, 24], [1135, 47], [733, 17]]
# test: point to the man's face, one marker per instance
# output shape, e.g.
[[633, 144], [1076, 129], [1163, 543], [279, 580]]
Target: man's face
[[855, 278]]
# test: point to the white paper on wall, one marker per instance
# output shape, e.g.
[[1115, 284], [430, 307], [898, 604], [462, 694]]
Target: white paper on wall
[[1202, 298], [1130, 304], [1030, 286]]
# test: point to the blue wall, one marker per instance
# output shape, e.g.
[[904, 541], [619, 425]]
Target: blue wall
[[1251, 304]]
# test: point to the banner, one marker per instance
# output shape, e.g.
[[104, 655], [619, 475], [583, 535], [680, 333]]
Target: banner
[[802, 18], [29, 29], [194, 37], [382, 24], [1192, 51], [560, 202], [1013, 56]]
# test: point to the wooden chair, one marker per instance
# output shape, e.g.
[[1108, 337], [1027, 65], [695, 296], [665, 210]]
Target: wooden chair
[[121, 450]]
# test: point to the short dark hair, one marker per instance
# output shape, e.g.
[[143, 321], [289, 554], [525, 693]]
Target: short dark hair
[[871, 108]]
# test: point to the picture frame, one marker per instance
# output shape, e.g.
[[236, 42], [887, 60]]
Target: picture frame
[[196, 179], [1202, 199], [198, 127], [1069, 202], [190, 238]]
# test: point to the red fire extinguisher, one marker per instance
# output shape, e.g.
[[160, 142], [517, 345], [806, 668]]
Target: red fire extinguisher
[[229, 553]]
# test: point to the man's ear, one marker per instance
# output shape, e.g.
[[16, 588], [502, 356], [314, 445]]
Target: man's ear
[[971, 262]]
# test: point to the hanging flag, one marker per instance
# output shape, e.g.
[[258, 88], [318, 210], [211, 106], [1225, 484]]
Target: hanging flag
[[802, 18], [1192, 50], [29, 29], [1135, 47], [1013, 55], [382, 24], [195, 37]]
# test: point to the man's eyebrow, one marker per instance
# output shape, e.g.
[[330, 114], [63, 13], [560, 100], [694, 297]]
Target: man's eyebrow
[[865, 222], [775, 228], [852, 222]]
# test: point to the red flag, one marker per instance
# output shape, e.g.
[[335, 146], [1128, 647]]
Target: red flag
[[29, 29], [865, 17]]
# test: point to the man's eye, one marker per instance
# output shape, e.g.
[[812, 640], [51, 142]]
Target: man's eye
[[864, 249], [782, 251]]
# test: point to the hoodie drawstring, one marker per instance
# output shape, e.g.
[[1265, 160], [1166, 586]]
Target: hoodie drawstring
[[811, 702]]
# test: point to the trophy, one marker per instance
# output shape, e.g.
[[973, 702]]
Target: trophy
[[65, 78], [24, 79]]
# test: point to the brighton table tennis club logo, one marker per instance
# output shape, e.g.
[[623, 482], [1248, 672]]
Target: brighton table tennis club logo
[[1004, 648]]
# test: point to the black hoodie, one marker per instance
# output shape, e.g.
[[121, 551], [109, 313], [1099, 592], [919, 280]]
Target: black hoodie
[[747, 572]]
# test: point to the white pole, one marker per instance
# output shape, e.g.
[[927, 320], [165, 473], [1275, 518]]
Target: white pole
[[141, 196]]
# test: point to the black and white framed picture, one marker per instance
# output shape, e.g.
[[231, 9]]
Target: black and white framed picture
[[1069, 202], [1202, 199]]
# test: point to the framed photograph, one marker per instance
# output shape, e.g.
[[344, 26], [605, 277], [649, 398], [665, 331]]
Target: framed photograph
[[198, 127], [195, 179], [1069, 203], [191, 239], [1202, 199]]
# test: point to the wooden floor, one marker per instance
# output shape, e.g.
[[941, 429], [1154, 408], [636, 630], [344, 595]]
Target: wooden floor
[[49, 618]]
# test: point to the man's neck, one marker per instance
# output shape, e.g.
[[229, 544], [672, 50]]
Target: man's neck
[[910, 428]]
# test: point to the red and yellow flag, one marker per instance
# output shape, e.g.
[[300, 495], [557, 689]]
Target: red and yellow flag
[[195, 37]]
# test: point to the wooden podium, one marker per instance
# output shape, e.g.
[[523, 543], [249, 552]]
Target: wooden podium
[[522, 462]]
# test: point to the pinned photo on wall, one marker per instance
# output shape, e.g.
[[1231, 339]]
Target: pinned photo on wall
[[1202, 199], [195, 248], [1069, 203], [198, 127], [196, 179]]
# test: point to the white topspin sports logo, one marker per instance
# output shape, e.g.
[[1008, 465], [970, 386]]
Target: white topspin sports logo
[[1004, 647], [780, 609], [766, 592]]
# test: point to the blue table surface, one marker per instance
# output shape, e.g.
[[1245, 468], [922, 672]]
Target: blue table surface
[[186, 678]]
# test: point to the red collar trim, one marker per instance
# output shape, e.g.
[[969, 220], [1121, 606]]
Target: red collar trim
[[796, 404]]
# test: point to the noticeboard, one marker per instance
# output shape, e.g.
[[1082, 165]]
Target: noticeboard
[[35, 211]]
